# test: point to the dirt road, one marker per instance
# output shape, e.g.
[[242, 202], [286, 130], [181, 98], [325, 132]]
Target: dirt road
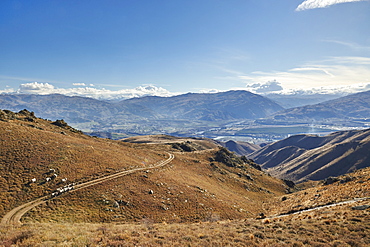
[[14, 216], [319, 207]]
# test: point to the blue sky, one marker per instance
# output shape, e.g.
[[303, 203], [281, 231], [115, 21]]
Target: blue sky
[[176, 46]]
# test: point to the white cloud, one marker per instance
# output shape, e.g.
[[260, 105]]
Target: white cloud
[[346, 73], [209, 90], [78, 84], [103, 94], [35, 87], [314, 4], [267, 87], [7, 90]]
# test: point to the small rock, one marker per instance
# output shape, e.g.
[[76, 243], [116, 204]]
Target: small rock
[[330, 180], [361, 207], [151, 192], [346, 179], [289, 183], [261, 216]]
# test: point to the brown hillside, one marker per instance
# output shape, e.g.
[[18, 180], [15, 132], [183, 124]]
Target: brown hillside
[[308, 157], [194, 187], [196, 144], [241, 148], [320, 193], [30, 147], [347, 224]]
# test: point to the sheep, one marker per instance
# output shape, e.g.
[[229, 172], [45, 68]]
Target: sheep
[[48, 179], [64, 179], [55, 175], [51, 170], [33, 180]]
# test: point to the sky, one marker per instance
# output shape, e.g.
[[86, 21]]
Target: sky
[[128, 48]]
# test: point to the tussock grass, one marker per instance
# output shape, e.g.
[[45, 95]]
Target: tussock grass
[[193, 187], [319, 195], [334, 228], [193, 201]]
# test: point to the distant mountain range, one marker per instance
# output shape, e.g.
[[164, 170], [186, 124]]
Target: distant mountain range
[[309, 157], [297, 100], [351, 106], [207, 107], [192, 114]]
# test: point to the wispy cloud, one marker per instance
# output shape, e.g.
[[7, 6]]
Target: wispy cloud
[[351, 45], [334, 72], [92, 92], [314, 4]]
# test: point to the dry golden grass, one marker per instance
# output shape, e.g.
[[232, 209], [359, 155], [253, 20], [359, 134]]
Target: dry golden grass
[[358, 186], [30, 149], [195, 201], [340, 226], [190, 189]]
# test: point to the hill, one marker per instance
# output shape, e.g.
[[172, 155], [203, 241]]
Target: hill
[[181, 143], [203, 182], [335, 214], [351, 106], [301, 99], [206, 197], [310, 157], [240, 148]]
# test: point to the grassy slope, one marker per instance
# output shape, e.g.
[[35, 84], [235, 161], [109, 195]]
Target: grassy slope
[[334, 226], [184, 192], [188, 190]]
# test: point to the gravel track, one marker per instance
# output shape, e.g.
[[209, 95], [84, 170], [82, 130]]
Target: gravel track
[[14, 216]]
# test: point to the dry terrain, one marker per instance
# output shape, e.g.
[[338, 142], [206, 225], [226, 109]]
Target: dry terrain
[[342, 225], [206, 196], [311, 157], [193, 187]]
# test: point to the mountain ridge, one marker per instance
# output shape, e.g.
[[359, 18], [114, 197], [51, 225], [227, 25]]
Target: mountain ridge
[[351, 106], [310, 157], [203, 106]]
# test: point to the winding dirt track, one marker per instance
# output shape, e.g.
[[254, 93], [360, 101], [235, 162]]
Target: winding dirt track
[[320, 207], [14, 216]]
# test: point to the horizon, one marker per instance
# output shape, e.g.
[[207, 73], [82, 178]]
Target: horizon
[[36, 88], [122, 49]]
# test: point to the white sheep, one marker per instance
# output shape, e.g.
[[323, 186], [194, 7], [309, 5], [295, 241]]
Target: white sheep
[[64, 179], [33, 180], [48, 179]]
